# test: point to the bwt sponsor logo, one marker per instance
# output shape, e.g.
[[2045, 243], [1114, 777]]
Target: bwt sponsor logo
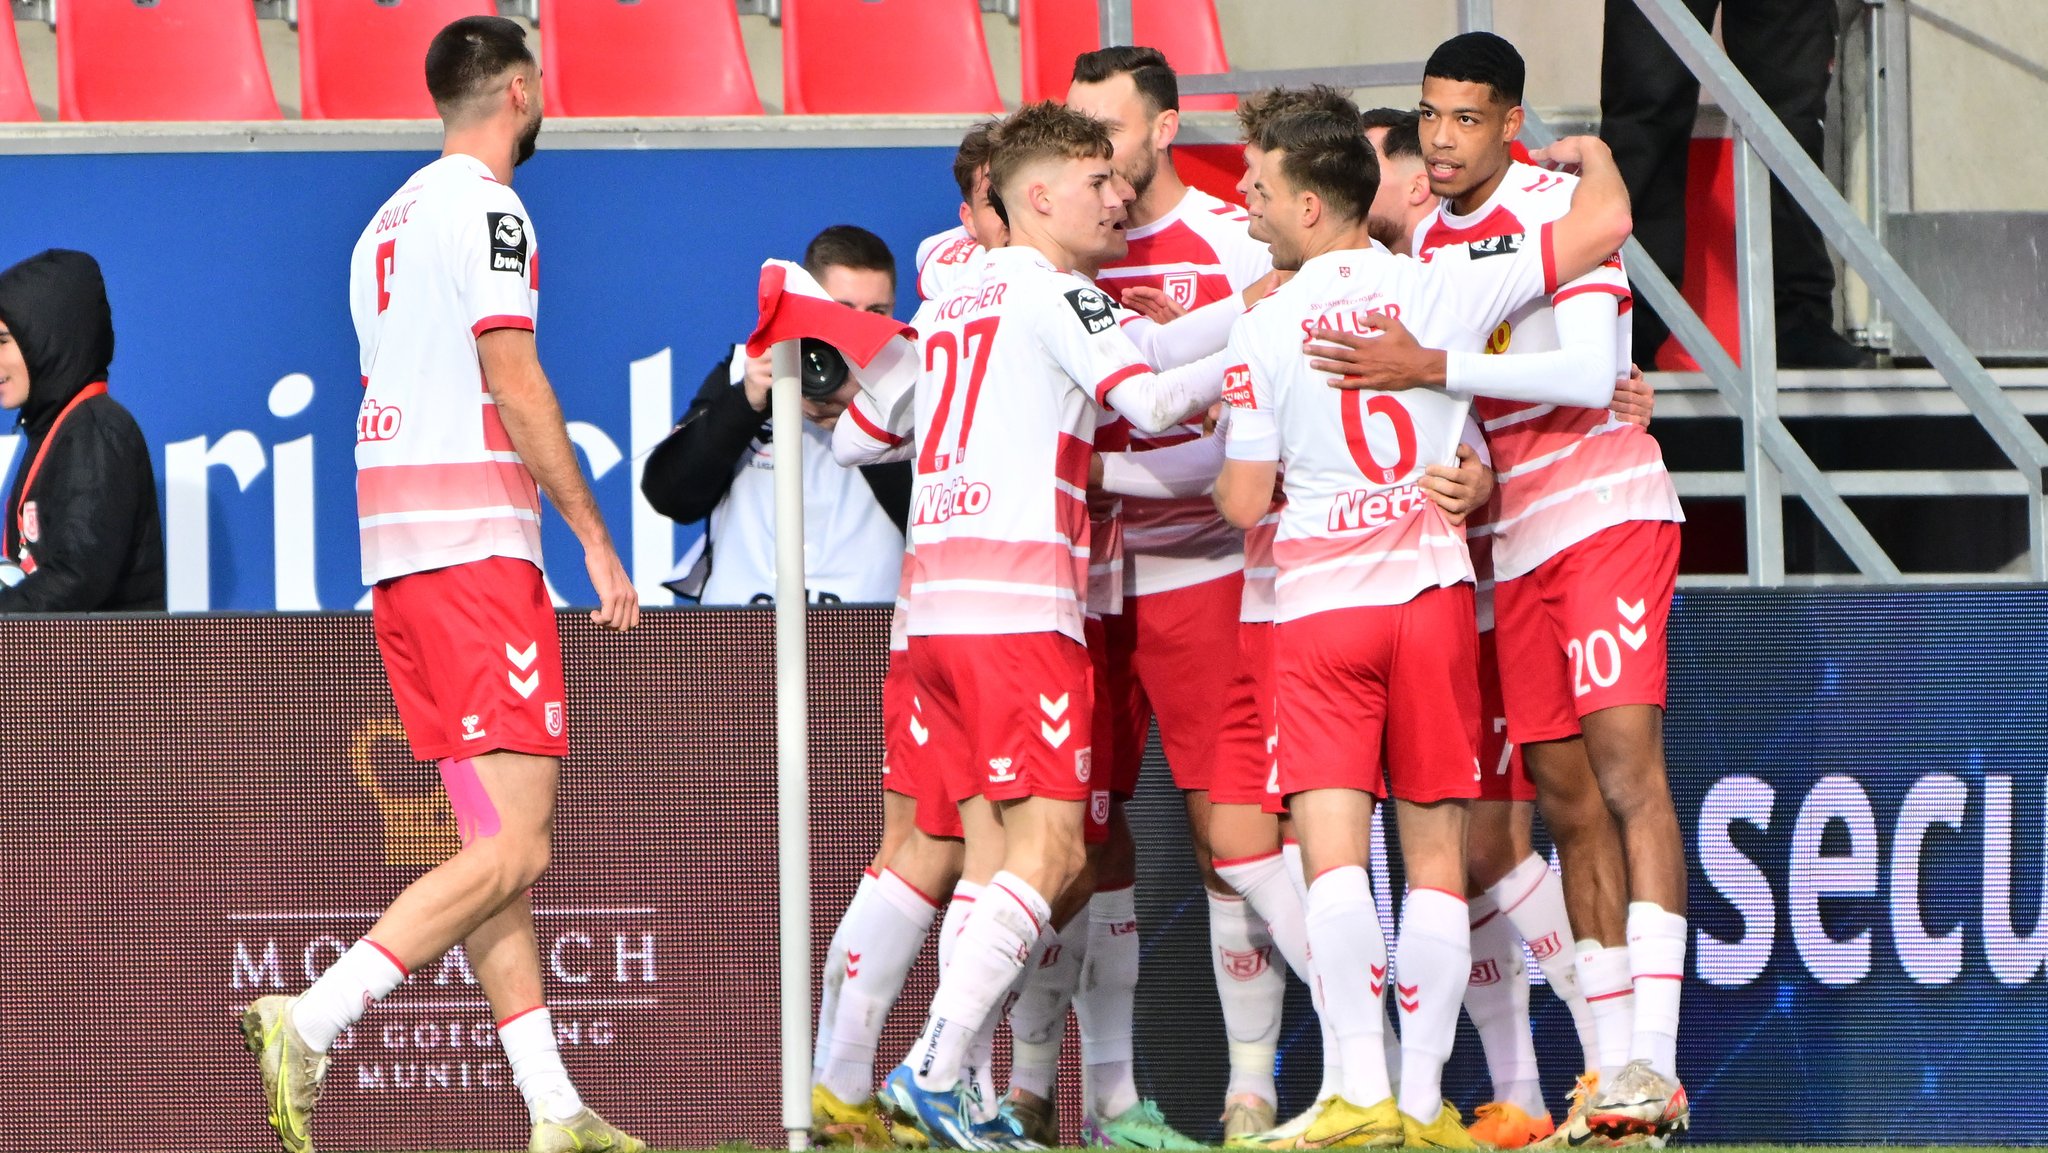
[[436, 1033], [939, 503], [1365, 508]]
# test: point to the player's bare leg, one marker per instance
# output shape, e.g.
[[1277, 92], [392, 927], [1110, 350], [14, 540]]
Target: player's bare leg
[[1589, 850], [1334, 827], [1432, 961], [1626, 746]]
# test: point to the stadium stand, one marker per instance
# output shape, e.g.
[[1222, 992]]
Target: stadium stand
[[195, 60], [886, 56], [1053, 32], [15, 102], [626, 58], [360, 59]]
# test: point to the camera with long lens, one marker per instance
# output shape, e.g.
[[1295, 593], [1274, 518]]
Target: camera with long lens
[[823, 368]]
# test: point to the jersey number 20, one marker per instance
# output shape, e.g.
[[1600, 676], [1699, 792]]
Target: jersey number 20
[[974, 341]]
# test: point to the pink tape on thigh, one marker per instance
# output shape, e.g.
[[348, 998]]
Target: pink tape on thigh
[[475, 816]]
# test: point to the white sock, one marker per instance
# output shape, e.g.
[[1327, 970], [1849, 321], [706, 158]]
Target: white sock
[[1497, 1000], [988, 957], [1105, 1000], [364, 974], [1351, 965], [978, 1068], [529, 1042], [1250, 988], [1268, 886], [1038, 1019], [1432, 963], [1290, 853], [1609, 987], [881, 938], [833, 976], [1656, 955], [1532, 897], [961, 907]]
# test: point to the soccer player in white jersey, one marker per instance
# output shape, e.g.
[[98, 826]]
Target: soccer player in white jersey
[[999, 527], [1377, 683], [1172, 651], [457, 424], [1588, 516]]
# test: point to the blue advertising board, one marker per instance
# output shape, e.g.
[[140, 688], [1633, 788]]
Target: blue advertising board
[[228, 274]]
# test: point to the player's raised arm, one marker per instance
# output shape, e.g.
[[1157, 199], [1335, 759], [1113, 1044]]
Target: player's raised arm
[[533, 420], [1599, 221]]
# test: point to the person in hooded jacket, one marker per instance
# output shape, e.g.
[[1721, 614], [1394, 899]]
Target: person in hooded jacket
[[81, 531]]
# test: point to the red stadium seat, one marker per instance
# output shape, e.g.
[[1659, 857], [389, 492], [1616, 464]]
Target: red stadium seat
[[645, 58], [15, 103], [885, 56], [165, 60], [1053, 32], [366, 59]]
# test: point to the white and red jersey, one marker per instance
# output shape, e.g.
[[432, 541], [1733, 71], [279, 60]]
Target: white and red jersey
[[1564, 473], [1015, 360], [1357, 528], [942, 258], [449, 257], [1198, 253]]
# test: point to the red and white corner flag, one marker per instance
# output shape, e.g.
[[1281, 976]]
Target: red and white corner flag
[[793, 306]]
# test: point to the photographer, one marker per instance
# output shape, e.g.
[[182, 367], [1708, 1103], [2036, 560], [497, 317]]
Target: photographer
[[80, 533], [718, 463]]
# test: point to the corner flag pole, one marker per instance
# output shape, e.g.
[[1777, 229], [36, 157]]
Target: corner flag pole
[[792, 752]]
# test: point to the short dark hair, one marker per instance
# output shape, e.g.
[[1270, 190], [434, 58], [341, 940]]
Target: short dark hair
[[469, 54], [1373, 118], [975, 150], [1147, 68], [1480, 58], [1403, 138], [849, 246], [1325, 153], [1041, 131], [1255, 110]]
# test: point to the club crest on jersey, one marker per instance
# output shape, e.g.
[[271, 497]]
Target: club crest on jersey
[[552, 711], [1093, 308], [1486, 972], [1180, 288], [508, 242], [1504, 245], [1237, 387], [31, 523], [1098, 806], [1083, 764]]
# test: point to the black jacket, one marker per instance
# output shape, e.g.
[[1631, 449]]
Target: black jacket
[[98, 545], [691, 471]]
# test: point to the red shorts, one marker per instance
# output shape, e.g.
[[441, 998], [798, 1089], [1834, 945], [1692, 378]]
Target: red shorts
[[1502, 775], [473, 659], [1244, 761], [1585, 630], [909, 766], [1183, 668], [1382, 698], [1019, 707]]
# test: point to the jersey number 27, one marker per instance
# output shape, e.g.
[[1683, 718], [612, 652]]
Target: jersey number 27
[[938, 453]]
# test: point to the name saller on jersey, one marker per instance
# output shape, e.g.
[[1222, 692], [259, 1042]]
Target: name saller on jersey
[[1092, 306], [1351, 318], [941, 502], [508, 242], [1363, 508]]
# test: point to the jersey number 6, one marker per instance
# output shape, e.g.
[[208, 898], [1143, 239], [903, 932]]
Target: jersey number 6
[[1357, 406]]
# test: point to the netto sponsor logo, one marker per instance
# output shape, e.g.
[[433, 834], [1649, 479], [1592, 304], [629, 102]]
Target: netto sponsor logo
[[939, 503], [377, 421], [1363, 508]]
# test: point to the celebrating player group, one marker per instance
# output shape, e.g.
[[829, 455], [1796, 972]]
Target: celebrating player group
[[1351, 489]]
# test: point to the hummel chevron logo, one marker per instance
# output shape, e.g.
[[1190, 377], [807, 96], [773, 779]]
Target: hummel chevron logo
[[522, 660], [524, 688], [1056, 736], [1054, 709], [852, 963], [1632, 613], [1408, 995], [919, 733], [1634, 638], [1379, 978]]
